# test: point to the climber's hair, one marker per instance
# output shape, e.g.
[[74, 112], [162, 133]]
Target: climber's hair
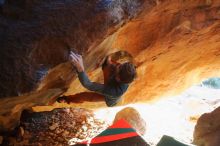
[[127, 72]]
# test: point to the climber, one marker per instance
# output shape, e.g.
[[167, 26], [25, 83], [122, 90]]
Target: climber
[[117, 78]]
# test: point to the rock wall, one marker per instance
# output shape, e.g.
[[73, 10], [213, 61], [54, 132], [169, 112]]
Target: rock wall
[[160, 39], [36, 35], [175, 45]]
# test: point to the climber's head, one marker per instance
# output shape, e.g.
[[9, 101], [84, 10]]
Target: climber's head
[[126, 73]]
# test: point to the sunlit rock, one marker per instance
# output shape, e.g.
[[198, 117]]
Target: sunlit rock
[[12, 107], [133, 118], [57, 127], [207, 130], [175, 45]]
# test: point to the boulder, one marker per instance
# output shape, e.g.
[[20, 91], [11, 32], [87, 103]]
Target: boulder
[[132, 116], [56, 127], [207, 129], [37, 35]]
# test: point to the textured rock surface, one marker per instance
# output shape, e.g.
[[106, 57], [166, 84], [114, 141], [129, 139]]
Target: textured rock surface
[[12, 107], [133, 118], [175, 44], [36, 35], [57, 127], [207, 130], [160, 39]]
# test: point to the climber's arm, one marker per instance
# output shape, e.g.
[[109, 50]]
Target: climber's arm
[[92, 86], [77, 62]]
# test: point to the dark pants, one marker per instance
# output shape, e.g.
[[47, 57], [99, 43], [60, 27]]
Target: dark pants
[[81, 97]]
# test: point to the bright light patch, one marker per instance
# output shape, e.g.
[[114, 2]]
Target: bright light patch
[[173, 116]]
